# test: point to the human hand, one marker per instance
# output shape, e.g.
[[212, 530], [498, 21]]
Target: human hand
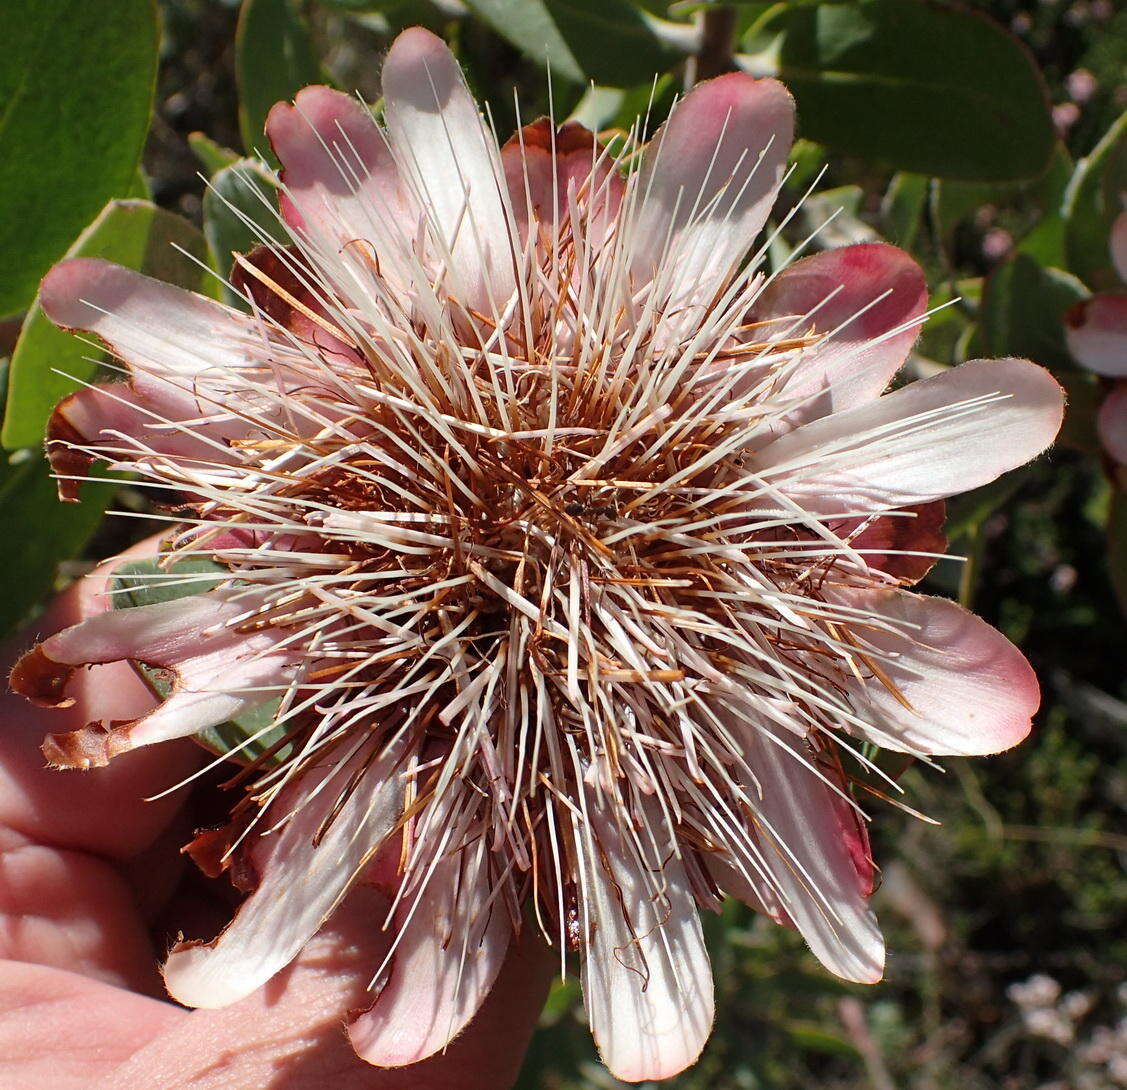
[[86, 869]]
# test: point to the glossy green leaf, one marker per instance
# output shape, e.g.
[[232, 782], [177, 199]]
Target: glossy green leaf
[[1045, 242], [213, 156], [614, 108], [903, 208], [1093, 200], [920, 86], [804, 164], [144, 583], [1083, 397], [598, 107], [835, 216], [608, 41], [953, 203], [274, 59], [1033, 207], [1021, 313], [133, 233], [813, 1038], [140, 189], [40, 531], [362, 5], [239, 193], [942, 332], [76, 89], [968, 511]]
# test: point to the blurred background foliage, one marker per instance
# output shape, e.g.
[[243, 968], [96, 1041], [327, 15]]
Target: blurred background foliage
[[990, 140]]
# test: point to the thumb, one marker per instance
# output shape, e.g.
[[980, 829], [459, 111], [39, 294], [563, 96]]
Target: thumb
[[103, 810], [291, 1032]]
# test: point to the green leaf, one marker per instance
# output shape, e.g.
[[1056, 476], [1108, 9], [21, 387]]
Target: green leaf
[[213, 156], [145, 583], [1045, 243], [968, 511], [130, 232], [41, 532], [1093, 200], [563, 997], [598, 107], [274, 59], [1021, 313], [809, 1037], [1083, 396], [903, 207], [806, 159], [76, 90], [834, 214], [361, 5], [140, 190], [602, 108], [608, 41], [1033, 208], [917, 85], [231, 739], [240, 190], [952, 203]]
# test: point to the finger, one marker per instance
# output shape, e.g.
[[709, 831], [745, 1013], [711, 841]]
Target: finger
[[72, 911], [63, 902], [62, 1031], [293, 1029], [101, 810]]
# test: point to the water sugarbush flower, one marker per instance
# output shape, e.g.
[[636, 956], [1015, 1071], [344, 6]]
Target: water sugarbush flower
[[571, 545]]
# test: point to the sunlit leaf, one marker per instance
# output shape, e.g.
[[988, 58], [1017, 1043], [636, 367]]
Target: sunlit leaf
[[1023, 304], [1093, 200], [143, 583], [903, 207], [965, 513], [608, 41], [835, 216], [274, 59], [614, 108], [805, 163], [39, 532], [213, 156], [140, 189], [47, 363], [239, 212], [76, 89], [1034, 205], [813, 1038], [920, 86]]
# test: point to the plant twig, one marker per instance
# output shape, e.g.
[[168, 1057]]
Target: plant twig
[[717, 44]]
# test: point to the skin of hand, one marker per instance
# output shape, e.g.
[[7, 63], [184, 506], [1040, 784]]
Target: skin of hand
[[87, 867]]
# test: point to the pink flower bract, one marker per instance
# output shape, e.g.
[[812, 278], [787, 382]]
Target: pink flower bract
[[572, 544], [1096, 332]]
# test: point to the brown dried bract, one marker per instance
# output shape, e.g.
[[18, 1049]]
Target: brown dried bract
[[41, 679]]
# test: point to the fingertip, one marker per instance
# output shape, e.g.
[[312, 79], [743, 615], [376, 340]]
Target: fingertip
[[101, 810]]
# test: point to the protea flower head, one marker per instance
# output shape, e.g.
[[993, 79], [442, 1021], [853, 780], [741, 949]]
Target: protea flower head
[[572, 544]]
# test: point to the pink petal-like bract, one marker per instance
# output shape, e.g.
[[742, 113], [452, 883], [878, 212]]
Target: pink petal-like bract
[[1096, 333], [1111, 423], [569, 543]]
